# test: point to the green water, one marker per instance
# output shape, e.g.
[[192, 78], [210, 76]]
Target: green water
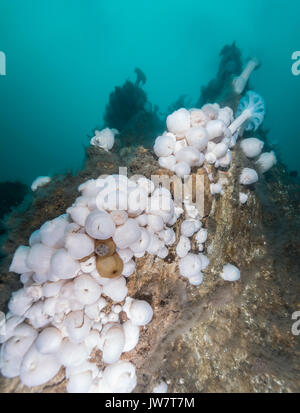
[[65, 56]]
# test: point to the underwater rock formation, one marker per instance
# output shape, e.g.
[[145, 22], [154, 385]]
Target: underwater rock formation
[[220, 336]]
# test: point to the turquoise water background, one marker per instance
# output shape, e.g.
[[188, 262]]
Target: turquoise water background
[[64, 57]]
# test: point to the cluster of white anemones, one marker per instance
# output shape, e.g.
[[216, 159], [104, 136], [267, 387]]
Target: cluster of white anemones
[[204, 136], [196, 136], [72, 265], [76, 262]]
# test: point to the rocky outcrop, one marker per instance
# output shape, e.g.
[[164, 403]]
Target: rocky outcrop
[[220, 336]]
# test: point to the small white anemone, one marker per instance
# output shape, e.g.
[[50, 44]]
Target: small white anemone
[[230, 273], [266, 161], [19, 261], [63, 265], [138, 311], [116, 289], [120, 377], [112, 342], [132, 333], [100, 225], [179, 122], [127, 234], [79, 245], [248, 176], [183, 247], [164, 145], [37, 369], [52, 232], [252, 147]]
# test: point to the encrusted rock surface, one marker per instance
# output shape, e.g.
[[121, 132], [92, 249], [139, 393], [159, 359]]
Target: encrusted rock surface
[[220, 336]]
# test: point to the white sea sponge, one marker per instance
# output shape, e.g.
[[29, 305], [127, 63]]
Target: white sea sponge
[[164, 145], [198, 138], [79, 245], [266, 161], [63, 265], [100, 225], [230, 273], [179, 122], [248, 176], [19, 261], [86, 290], [190, 265], [132, 333], [39, 182], [120, 377], [138, 311], [116, 289], [112, 341], [48, 340], [37, 369], [252, 147], [183, 246], [38, 259]]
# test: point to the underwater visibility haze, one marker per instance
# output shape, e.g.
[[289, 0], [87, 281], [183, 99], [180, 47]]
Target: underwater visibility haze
[[149, 207]]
